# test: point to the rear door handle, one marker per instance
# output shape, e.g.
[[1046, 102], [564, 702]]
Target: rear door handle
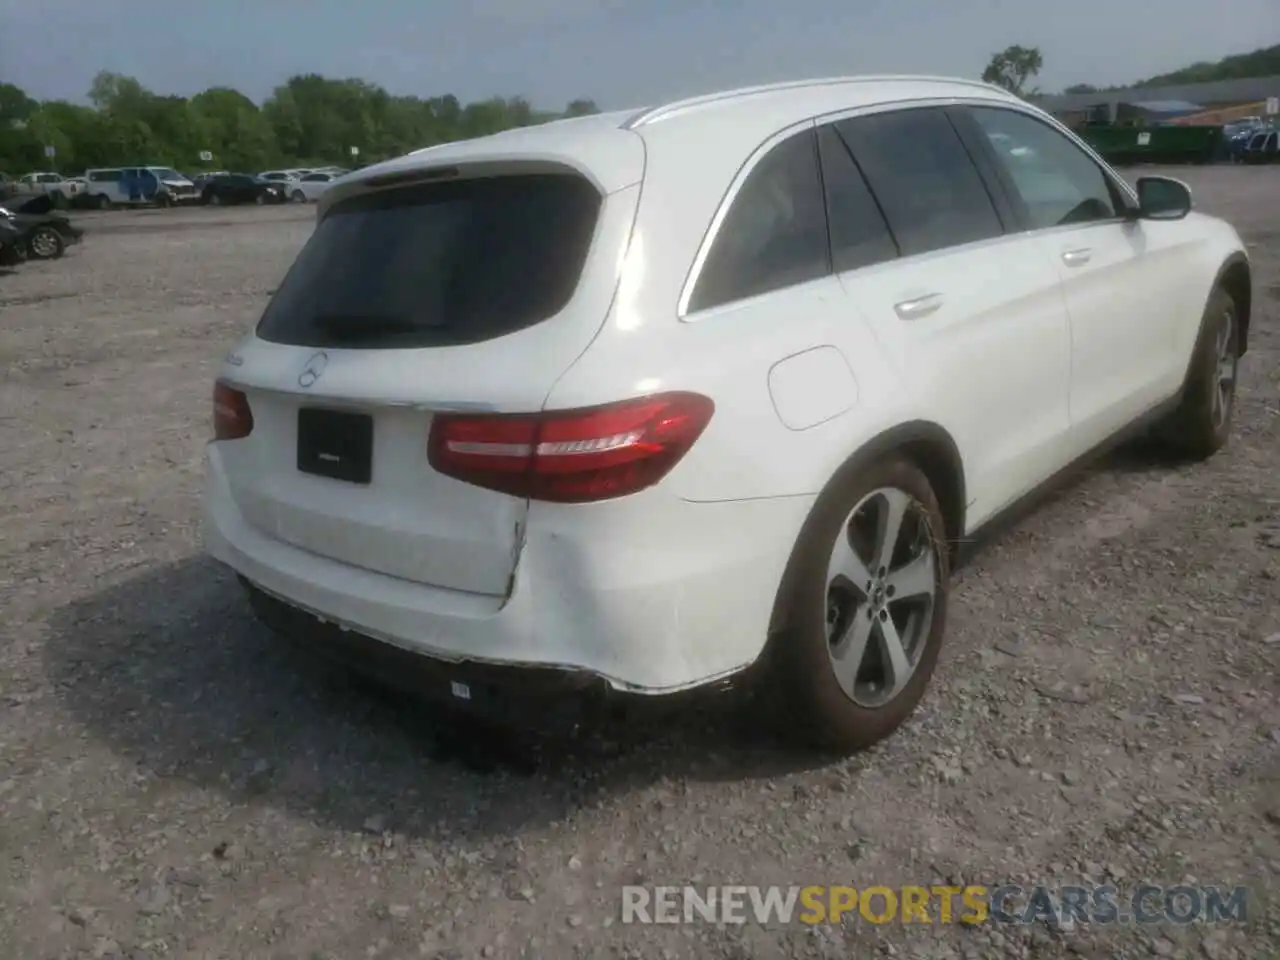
[[1075, 258], [918, 307]]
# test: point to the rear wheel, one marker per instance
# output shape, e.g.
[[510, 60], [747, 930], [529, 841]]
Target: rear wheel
[[45, 243], [299, 196], [215, 199], [103, 202], [865, 609], [260, 199], [1201, 424]]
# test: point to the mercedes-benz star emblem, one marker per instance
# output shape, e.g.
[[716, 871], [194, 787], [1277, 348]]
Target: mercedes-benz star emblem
[[311, 372]]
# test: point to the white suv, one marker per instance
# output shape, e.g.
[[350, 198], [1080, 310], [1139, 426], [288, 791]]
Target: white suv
[[642, 400]]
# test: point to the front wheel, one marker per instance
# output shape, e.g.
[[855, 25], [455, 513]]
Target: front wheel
[[864, 609], [260, 199], [45, 243], [103, 202], [299, 196]]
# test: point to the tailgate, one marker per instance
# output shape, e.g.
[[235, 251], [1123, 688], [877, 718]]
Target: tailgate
[[351, 482], [402, 305]]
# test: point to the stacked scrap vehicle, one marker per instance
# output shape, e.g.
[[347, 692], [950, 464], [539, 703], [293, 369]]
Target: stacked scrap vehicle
[[30, 227]]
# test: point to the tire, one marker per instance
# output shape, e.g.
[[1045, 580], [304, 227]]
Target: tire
[[299, 197], [820, 709], [103, 202], [215, 199], [260, 199], [45, 243], [1201, 424]]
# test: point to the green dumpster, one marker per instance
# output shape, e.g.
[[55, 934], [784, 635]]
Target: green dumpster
[[1171, 144]]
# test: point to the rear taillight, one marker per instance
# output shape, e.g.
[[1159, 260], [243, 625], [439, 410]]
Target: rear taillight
[[571, 456], [232, 418]]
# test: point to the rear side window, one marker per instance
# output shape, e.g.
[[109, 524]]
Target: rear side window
[[920, 171], [775, 233], [437, 264], [859, 235]]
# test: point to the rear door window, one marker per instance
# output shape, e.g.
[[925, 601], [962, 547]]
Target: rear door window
[[860, 236], [923, 177], [775, 232], [437, 264]]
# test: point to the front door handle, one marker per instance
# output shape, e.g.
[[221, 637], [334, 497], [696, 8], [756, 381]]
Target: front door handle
[[918, 307], [1076, 258]]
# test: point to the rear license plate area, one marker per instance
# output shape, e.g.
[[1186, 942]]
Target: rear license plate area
[[336, 444]]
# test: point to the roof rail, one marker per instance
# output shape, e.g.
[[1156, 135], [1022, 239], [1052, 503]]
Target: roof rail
[[654, 114]]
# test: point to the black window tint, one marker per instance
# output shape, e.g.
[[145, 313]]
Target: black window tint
[[437, 264], [775, 233], [923, 177], [859, 235], [1057, 182]]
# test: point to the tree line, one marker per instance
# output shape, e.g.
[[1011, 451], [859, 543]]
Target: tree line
[[1263, 62], [1013, 67], [310, 120]]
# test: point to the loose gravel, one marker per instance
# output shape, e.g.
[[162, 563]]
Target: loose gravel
[[175, 784]]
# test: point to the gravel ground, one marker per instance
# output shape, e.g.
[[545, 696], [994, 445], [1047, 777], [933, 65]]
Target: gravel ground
[[174, 784]]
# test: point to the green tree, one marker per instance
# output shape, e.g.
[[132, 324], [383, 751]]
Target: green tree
[[1012, 67], [236, 132]]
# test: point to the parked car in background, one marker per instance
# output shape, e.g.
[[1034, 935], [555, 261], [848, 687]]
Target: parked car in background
[[51, 183], [1264, 147], [743, 376], [43, 231], [282, 176], [136, 186], [310, 187], [12, 251], [242, 188], [200, 179]]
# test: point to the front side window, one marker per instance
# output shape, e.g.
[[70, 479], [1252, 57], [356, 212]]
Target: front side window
[[926, 182], [775, 232], [1057, 182]]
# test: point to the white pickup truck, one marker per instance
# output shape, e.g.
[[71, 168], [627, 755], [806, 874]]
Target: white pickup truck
[[32, 183]]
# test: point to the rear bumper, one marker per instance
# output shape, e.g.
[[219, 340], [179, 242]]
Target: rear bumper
[[679, 598], [514, 693]]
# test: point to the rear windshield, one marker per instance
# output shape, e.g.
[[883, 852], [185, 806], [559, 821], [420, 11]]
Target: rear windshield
[[437, 264]]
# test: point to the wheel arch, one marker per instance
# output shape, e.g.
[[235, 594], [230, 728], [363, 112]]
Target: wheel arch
[[933, 450], [1235, 277]]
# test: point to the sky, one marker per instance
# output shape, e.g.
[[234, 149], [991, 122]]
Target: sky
[[620, 53]]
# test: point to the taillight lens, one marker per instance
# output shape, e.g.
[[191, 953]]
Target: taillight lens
[[571, 456], [232, 418]]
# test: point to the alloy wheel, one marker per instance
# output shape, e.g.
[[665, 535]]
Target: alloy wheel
[[44, 243], [1225, 370], [882, 582]]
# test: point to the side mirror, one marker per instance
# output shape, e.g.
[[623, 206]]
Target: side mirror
[[1163, 198]]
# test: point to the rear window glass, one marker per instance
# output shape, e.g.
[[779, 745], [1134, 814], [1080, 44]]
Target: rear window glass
[[437, 264]]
